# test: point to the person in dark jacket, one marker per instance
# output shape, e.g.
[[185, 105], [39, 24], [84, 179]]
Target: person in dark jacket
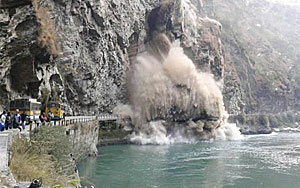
[[2, 121], [7, 121], [41, 118], [23, 119], [49, 118]]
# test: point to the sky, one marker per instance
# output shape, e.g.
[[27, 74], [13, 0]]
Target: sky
[[287, 2]]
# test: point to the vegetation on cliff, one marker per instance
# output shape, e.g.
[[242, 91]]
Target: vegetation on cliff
[[47, 37]]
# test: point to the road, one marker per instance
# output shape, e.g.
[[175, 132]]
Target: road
[[3, 152]]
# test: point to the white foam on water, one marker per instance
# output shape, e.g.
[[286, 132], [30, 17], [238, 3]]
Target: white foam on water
[[261, 135], [158, 136], [291, 129], [229, 131]]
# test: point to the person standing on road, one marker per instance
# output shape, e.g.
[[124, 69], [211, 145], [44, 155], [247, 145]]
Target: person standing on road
[[8, 121], [23, 118], [17, 120], [41, 118], [45, 119], [2, 121], [50, 118]]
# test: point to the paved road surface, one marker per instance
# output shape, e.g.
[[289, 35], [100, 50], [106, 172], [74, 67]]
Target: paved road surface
[[3, 152]]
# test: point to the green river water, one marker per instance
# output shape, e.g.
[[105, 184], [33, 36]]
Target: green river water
[[256, 161]]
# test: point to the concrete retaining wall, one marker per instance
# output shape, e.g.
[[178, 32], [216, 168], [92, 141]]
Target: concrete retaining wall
[[6, 139], [84, 137]]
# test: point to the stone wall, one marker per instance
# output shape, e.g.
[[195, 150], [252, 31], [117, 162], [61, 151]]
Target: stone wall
[[113, 132], [84, 137], [6, 139]]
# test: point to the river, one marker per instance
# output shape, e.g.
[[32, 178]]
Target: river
[[255, 161]]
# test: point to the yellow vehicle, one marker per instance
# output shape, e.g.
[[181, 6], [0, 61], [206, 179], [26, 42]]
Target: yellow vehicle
[[57, 110], [31, 107]]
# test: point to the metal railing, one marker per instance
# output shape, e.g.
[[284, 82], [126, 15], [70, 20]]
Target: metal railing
[[107, 117], [77, 119], [67, 121]]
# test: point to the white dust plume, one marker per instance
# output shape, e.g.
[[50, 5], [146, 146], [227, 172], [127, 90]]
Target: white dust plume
[[171, 101]]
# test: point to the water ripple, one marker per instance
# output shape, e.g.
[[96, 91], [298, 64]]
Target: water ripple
[[258, 161]]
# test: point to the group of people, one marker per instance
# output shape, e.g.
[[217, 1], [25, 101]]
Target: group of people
[[18, 121], [46, 118], [13, 121]]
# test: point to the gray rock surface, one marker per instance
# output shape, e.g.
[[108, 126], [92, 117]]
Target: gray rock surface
[[265, 123], [98, 40], [262, 65]]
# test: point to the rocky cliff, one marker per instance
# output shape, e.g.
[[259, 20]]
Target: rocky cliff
[[80, 51], [261, 44]]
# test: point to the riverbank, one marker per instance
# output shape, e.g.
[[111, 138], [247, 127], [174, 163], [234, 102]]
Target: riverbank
[[265, 123], [113, 137], [249, 124]]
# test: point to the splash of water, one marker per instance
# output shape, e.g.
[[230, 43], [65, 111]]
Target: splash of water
[[171, 101], [159, 136], [229, 131]]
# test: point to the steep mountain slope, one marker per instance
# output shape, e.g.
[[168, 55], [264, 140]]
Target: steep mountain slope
[[261, 53]]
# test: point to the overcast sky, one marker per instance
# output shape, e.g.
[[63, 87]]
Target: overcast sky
[[289, 2]]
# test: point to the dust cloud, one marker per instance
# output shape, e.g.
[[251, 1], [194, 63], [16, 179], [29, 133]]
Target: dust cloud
[[171, 101]]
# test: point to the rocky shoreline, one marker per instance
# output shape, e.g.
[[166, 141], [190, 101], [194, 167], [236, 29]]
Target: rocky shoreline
[[265, 123], [249, 124], [113, 141]]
